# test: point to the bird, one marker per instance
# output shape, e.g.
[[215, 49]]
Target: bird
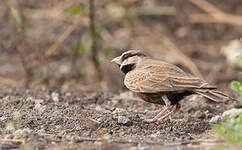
[[162, 83]]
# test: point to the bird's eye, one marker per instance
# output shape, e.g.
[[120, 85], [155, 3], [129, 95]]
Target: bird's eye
[[126, 56]]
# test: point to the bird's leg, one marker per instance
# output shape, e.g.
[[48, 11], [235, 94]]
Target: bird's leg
[[178, 106], [166, 107], [166, 100], [158, 115], [167, 103]]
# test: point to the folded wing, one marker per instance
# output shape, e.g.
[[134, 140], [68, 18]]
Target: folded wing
[[157, 76]]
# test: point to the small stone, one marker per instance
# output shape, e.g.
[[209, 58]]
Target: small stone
[[21, 133], [6, 98], [38, 101], [68, 94], [121, 133], [29, 98], [155, 135], [39, 107], [120, 111], [115, 101], [232, 51], [232, 113], [182, 31], [107, 137], [3, 118], [101, 109], [56, 97], [34, 100], [215, 119], [123, 120], [58, 127]]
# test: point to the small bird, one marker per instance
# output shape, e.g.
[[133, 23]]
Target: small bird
[[162, 83]]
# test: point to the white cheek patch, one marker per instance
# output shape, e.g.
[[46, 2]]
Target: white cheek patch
[[123, 63]]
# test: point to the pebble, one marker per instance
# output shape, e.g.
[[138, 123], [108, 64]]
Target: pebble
[[155, 135], [232, 112], [30, 98], [36, 101], [6, 98], [3, 118], [39, 107], [21, 133], [101, 109], [68, 94], [56, 97], [123, 120], [215, 119], [229, 113], [120, 111]]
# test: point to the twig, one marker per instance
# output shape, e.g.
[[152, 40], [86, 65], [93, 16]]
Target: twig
[[63, 37], [214, 15], [93, 120], [94, 48], [168, 47], [207, 7], [163, 10], [19, 18], [185, 60]]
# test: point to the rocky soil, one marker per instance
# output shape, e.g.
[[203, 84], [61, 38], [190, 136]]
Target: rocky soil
[[40, 119]]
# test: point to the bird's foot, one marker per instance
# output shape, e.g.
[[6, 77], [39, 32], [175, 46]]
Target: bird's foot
[[161, 119], [149, 120]]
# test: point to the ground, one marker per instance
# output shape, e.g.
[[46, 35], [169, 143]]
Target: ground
[[63, 108], [52, 119]]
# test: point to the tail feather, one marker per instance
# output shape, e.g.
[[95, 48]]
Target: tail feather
[[213, 94]]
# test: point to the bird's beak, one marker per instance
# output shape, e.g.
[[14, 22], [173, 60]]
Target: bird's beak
[[117, 60]]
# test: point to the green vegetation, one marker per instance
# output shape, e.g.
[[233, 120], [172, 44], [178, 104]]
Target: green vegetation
[[231, 130], [237, 86], [107, 51], [79, 48], [15, 124], [77, 10]]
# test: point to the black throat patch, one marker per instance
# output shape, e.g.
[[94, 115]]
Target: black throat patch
[[127, 68]]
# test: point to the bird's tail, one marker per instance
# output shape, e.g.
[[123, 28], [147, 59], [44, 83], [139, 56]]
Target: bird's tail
[[213, 94]]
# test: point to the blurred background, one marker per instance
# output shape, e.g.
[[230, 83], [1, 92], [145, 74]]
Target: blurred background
[[68, 44]]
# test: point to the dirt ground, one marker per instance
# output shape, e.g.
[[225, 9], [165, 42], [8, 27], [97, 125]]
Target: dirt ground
[[74, 120], [58, 111]]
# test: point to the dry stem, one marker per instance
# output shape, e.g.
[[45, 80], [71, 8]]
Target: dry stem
[[19, 18], [94, 37], [214, 15], [63, 37]]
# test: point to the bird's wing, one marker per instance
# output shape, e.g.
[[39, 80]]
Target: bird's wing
[[150, 77]]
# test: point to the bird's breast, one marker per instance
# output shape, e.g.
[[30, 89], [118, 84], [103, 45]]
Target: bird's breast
[[151, 97]]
